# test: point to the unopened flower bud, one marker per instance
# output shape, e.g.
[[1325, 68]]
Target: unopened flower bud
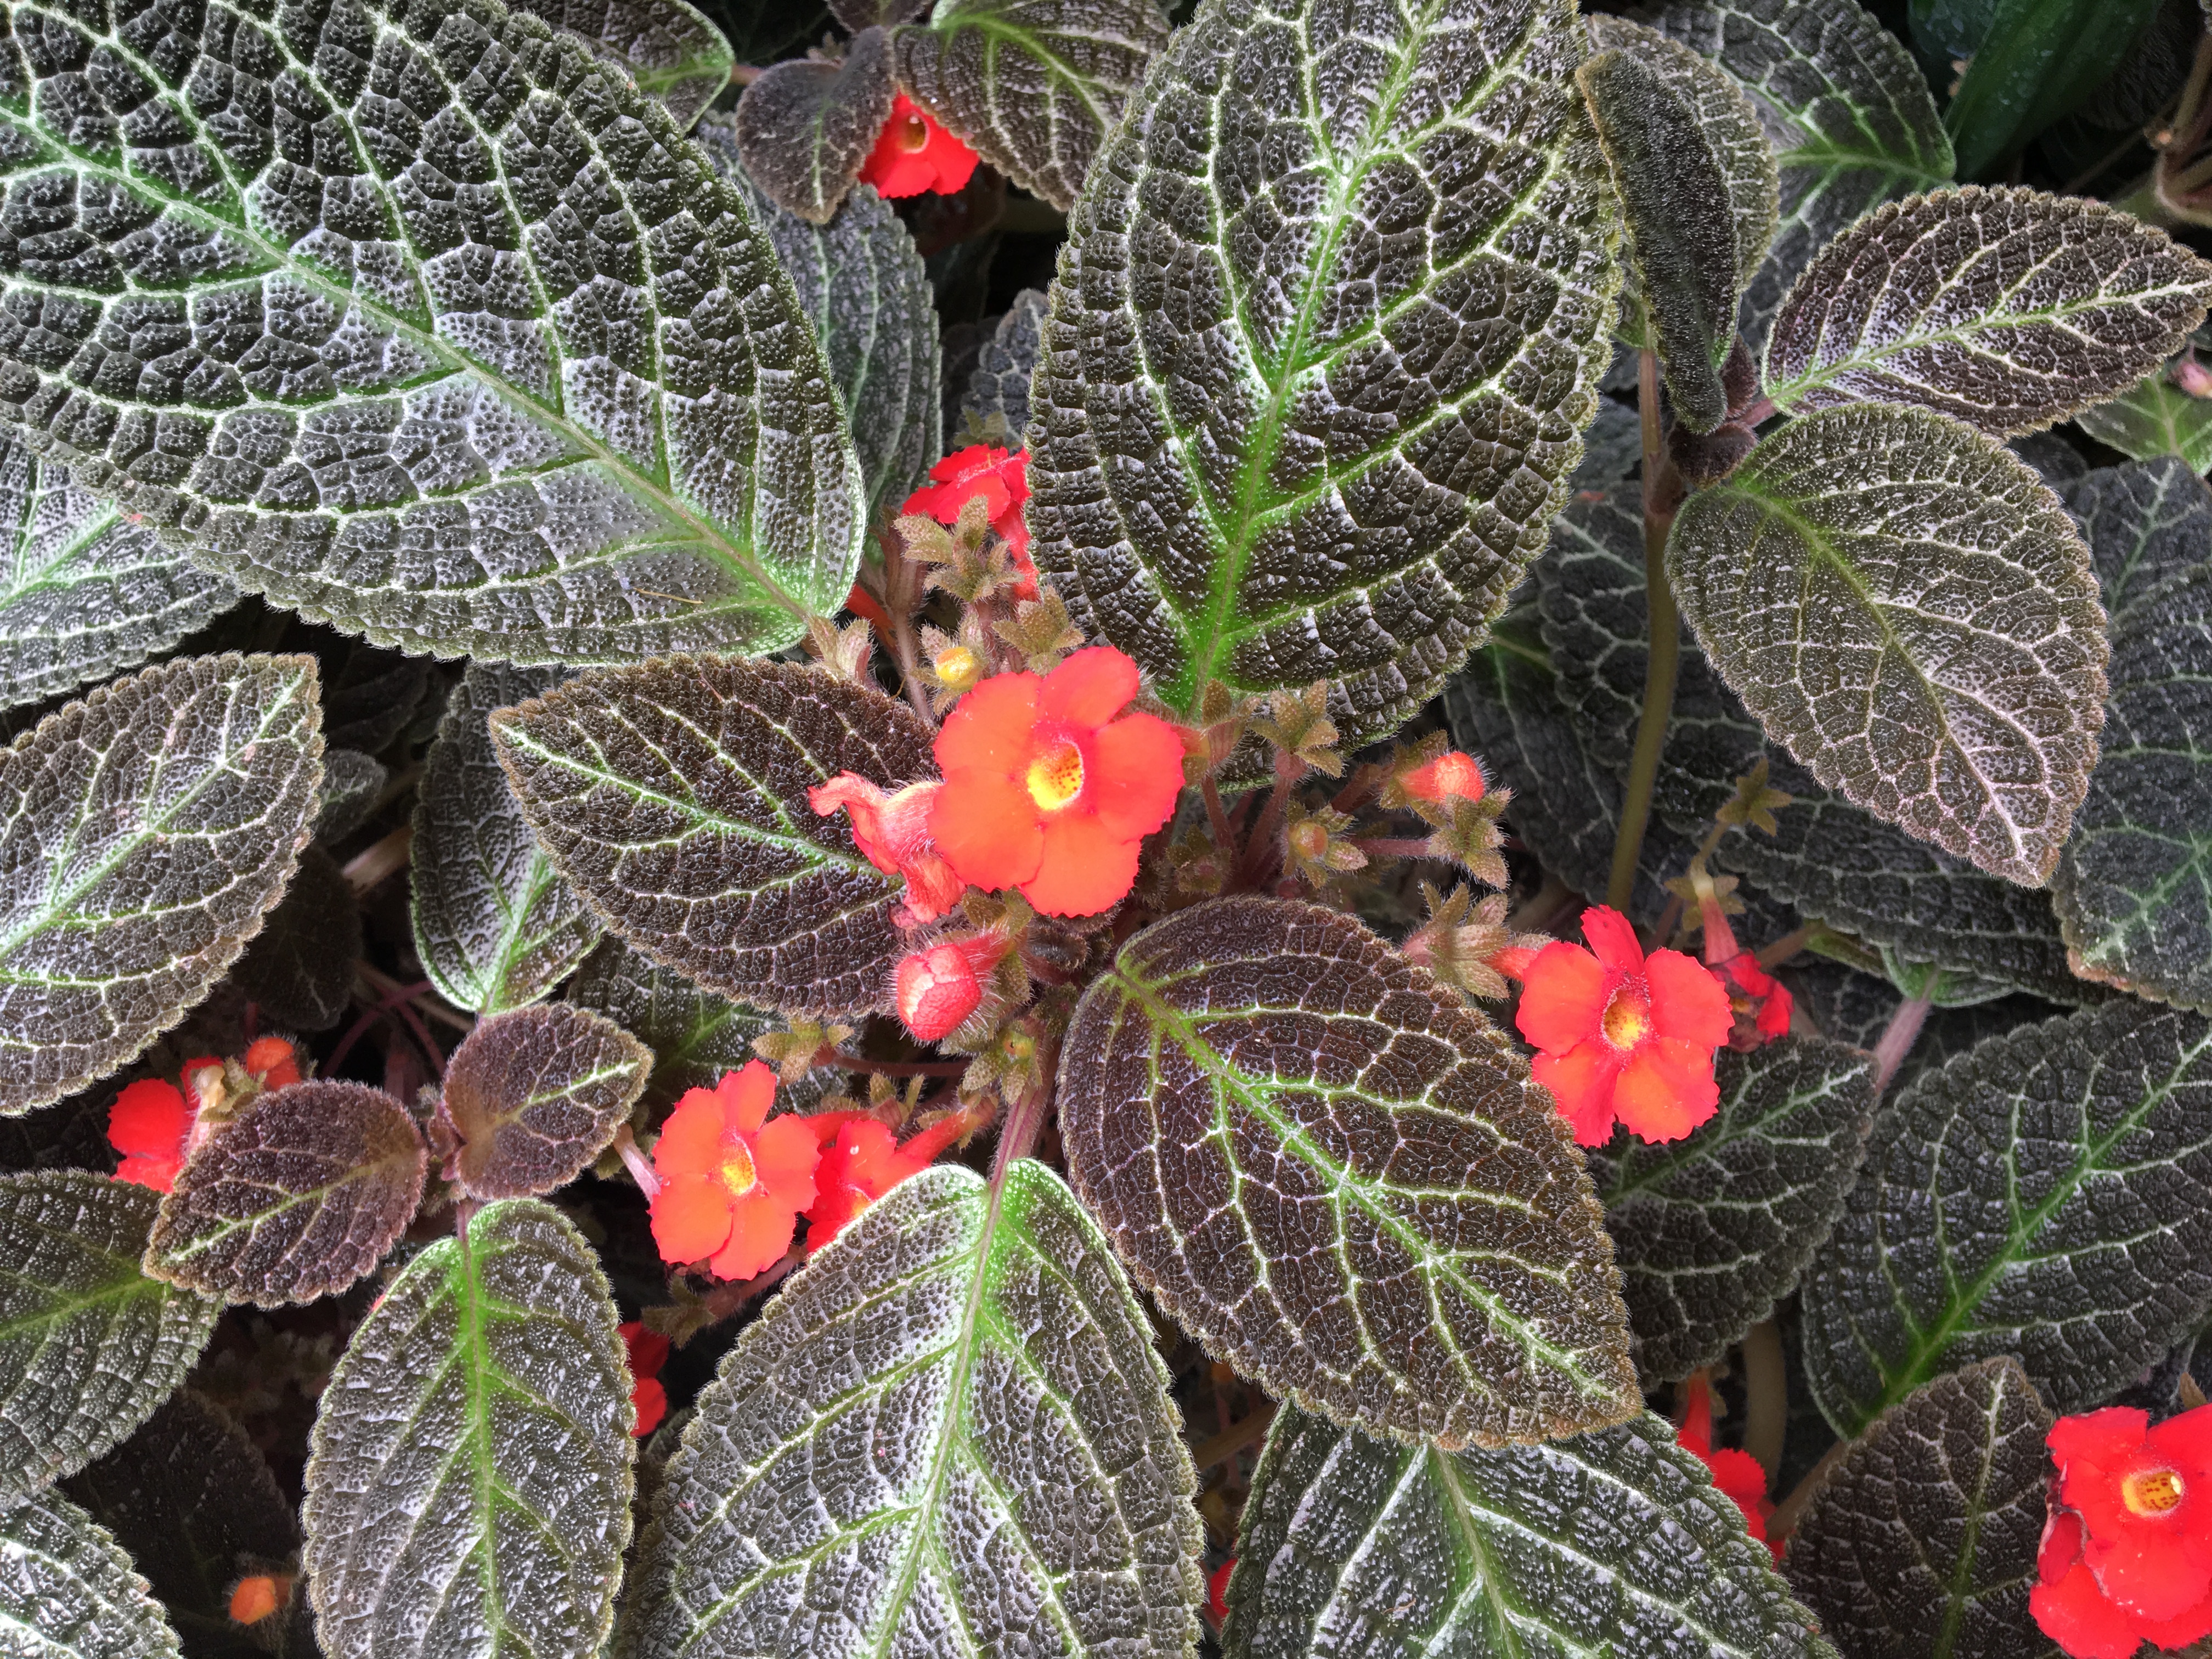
[[936, 990]]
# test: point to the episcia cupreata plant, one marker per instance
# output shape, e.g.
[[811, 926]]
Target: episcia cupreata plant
[[1509, 860]]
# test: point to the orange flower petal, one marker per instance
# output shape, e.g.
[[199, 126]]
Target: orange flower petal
[[784, 1156], [1581, 1081], [1666, 1089], [1612, 938], [989, 730], [1563, 994], [691, 1218], [1687, 1003], [650, 1402], [1136, 773], [760, 1232], [986, 826], [151, 1169], [746, 1095], [150, 1117], [690, 1141], [1090, 688], [1085, 868]]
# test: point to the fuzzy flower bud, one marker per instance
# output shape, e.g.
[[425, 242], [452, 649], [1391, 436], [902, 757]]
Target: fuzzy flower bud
[[936, 990]]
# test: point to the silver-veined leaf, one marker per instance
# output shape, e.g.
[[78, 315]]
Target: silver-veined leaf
[[673, 796], [2154, 417], [806, 124], [1004, 366], [146, 832], [1611, 1542], [495, 924], [68, 1591], [667, 46], [1908, 608], [1325, 333], [89, 1345], [1341, 1180], [533, 1095], [352, 781], [470, 1477], [493, 365], [949, 1435], [2144, 521], [298, 970], [695, 1034], [2048, 1195], [2007, 309]]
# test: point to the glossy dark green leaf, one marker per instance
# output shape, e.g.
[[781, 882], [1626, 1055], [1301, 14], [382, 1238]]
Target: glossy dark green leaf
[[2144, 521], [533, 1095], [2038, 59], [667, 47], [2154, 418], [806, 124], [69, 1592], [300, 969]]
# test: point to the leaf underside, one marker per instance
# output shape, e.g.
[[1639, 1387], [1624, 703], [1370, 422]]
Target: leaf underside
[[667, 46], [2154, 418], [949, 1435], [1339, 1180], [351, 783], [146, 832], [69, 1592], [804, 126], [535, 1095], [493, 364], [1328, 323]]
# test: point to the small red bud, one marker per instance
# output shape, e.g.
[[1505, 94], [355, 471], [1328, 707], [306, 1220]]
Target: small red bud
[[935, 990]]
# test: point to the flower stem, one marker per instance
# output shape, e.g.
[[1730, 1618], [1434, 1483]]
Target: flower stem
[[1217, 818], [1896, 1037], [1767, 1395], [632, 1160], [1783, 949], [1665, 650]]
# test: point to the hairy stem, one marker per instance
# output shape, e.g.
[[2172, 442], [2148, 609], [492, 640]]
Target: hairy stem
[[1217, 818], [1896, 1037], [625, 1145], [1666, 647]]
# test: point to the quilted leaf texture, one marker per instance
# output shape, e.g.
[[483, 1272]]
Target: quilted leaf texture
[[1921, 1539], [668, 47], [1340, 1181], [68, 1589], [146, 832], [89, 1344], [533, 1095], [695, 1034], [949, 1437], [1713, 1231], [673, 796], [1609, 1542], [2152, 418], [805, 125], [2007, 309], [2144, 521], [469, 1489], [1000, 383], [1907, 607], [2048, 1195], [1327, 325], [467, 350]]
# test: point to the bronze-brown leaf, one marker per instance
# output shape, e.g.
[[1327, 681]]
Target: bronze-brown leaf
[[535, 1095]]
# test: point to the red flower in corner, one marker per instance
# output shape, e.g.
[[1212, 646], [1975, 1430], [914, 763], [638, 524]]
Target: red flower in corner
[[915, 156], [892, 832], [648, 1351], [732, 1183], [1046, 790], [861, 1162], [1737, 1473], [1623, 1036], [1002, 479]]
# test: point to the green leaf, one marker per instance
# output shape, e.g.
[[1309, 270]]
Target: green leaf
[[297, 1197], [493, 365], [300, 968], [2135, 890], [1907, 607], [1318, 428], [1613, 1542], [89, 1344], [1713, 1231], [469, 1485], [146, 832], [1005, 365], [2048, 1195], [495, 925], [1923, 1537], [2007, 309], [1033, 86], [673, 797], [667, 47], [2155, 418], [950, 1435], [2039, 60], [2144, 521], [530, 1098], [695, 1034], [1339, 1180], [69, 1592], [806, 126]]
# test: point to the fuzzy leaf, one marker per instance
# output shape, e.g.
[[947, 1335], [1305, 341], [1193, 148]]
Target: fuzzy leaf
[[673, 796], [1611, 1542], [1316, 362], [668, 47], [297, 1197], [89, 1344], [535, 1095], [495, 925], [695, 1034], [805, 125], [1713, 1231], [1006, 365], [1907, 607], [146, 832], [493, 364], [469, 1485], [2048, 1195], [1921, 1539], [2007, 309], [68, 1591], [300, 969], [1033, 86], [2154, 418], [2135, 890], [1339, 1180], [952, 1429], [2144, 521], [351, 783]]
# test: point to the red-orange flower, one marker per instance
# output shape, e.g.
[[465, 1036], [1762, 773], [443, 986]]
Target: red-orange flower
[[1047, 791], [935, 990], [1622, 1036], [915, 156], [274, 1061], [254, 1598], [732, 1182], [647, 1351], [892, 832], [1450, 775], [1737, 1473], [1217, 1591], [1002, 479], [150, 1124], [1759, 1003], [861, 1161]]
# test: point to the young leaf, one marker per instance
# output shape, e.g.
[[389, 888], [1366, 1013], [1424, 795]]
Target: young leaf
[[1006, 364], [1033, 86], [469, 1485], [2144, 521], [1613, 1542], [668, 47], [533, 1096], [146, 832], [1270, 450], [2048, 1195], [1713, 1231], [2154, 418], [89, 1344], [69, 1592], [351, 783], [804, 126], [297, 1197], [1339, 1180], [2007, 309], [1907, 606], [1923, 1537], [673, 795], [493, 365], [952, 1428], [300, 969], [495, 925], [2135, 889], [695, 1034]]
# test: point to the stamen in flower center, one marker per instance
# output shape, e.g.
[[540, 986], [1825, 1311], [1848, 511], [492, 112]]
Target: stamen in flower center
[[1056, 777], [913, 134], [1627, 1017], [737, 1170], [2152, 1492]]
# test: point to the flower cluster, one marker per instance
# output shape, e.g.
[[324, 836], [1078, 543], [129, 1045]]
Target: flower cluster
[[155, 1124], [915, 156], [1001, 480]]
